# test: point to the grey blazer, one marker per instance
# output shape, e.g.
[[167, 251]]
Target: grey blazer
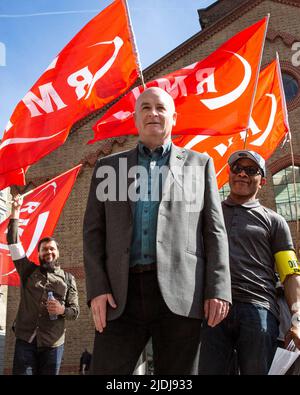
[[192, 246]]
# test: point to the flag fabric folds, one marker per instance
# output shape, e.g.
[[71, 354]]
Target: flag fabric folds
[[95, 67], [14, 177], [268, 126], [38, 218], [213, 96]]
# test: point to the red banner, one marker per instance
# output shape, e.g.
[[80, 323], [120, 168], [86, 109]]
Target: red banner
[[38, 218], [268, 126], [95, 67], [14, 177], [212, 97]]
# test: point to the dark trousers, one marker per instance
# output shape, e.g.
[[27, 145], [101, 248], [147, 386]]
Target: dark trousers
[[32, 360], [175, 339], [250, 330]]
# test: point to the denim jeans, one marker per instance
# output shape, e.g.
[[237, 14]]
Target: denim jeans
[[32, 360], [251, 331]]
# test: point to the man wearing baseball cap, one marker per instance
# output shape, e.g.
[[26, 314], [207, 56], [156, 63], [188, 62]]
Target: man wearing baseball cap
[[260, 242]]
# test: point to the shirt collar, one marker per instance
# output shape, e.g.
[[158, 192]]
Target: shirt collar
[[161, 151], [252, 204], [57, 270]]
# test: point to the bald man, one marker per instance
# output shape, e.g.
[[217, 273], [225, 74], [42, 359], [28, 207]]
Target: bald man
[[155, 248]]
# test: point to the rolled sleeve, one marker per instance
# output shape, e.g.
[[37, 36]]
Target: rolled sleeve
[[16, 251]]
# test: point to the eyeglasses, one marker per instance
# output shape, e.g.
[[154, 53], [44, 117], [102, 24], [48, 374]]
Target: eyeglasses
[[249, 170]]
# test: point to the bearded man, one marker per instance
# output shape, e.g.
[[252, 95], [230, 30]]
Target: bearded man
[[40, 323]]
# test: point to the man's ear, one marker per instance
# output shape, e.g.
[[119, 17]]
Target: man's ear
[[135, 119], [263, 181], [174, 118]]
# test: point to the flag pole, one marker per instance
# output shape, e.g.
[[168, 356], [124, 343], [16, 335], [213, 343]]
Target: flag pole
[[256, 79], [13, 194], [27, 193], [291, 148], [135, 48], [53, 179], [295, 193]]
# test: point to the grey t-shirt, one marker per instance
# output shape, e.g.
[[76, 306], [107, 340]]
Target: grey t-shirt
[[255, 234]]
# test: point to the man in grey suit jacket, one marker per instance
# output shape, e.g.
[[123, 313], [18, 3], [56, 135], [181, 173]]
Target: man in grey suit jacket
[[155, 248]]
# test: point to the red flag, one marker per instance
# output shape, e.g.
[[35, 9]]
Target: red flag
[[14, 177], [95, 67], [38, 218], [268, 126], [213, 96]]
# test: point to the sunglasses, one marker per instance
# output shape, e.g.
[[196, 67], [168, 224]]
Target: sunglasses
[[249, 170]]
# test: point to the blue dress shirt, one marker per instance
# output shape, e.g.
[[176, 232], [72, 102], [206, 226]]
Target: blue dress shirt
[[150, 184]]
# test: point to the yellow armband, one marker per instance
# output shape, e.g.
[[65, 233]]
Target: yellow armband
[[286, 263]]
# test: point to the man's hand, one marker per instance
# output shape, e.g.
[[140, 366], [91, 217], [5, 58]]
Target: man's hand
[[292, 296], [54, 307], [215, 310], [294, 332], [295, 335], [98, 305], [16, 204]]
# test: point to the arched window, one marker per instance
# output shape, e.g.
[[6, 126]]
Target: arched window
[[290, 85], [224, 191], [285, 194]]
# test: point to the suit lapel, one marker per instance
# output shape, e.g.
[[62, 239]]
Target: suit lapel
[[132, 161], [177, 159]]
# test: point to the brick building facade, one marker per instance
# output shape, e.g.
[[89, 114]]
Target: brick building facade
[[221, 21]]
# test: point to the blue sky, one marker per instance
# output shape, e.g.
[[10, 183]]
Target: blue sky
[[32, 41]]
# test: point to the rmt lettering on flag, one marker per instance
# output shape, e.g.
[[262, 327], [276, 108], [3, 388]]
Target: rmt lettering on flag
[[95, 67], [213, 96], [268, 126]]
